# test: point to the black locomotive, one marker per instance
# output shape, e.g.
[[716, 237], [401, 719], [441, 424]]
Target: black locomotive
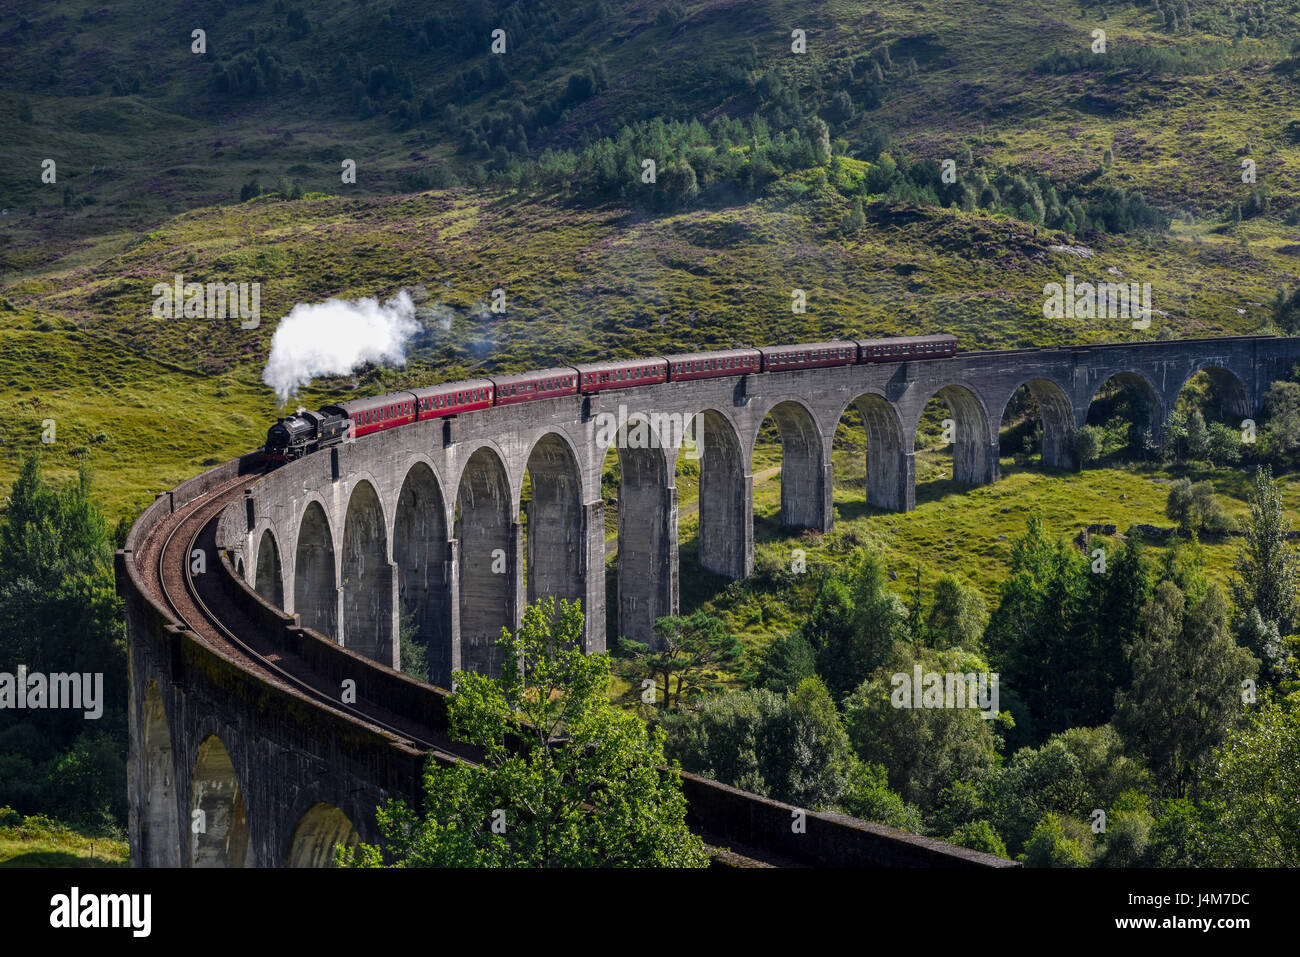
[[297, 435]]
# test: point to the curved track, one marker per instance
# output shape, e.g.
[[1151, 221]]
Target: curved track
[[164, 561]]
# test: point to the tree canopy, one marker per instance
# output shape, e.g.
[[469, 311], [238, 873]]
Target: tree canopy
[[566, 780]]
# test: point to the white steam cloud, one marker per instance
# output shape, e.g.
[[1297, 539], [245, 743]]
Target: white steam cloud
[[336, 336]]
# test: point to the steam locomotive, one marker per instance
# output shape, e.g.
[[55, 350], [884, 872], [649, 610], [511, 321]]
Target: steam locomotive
[[305, 432]]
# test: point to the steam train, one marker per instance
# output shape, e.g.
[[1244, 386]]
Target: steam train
[[305, 432]]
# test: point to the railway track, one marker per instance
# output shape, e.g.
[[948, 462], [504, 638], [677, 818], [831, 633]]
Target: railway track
[[165, 561]]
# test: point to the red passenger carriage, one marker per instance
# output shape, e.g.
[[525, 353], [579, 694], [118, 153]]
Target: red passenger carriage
[[452, 398], [622, 374], [708, 365], [809, 355], [525, 386], [376, 413]]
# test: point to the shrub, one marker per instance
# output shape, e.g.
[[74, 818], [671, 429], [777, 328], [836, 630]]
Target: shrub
[[1052, 846]]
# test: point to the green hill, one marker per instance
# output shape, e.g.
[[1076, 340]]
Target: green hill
[[522, 172]]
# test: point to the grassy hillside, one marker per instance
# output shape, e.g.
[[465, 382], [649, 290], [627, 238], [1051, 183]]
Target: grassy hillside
[[153, 144]]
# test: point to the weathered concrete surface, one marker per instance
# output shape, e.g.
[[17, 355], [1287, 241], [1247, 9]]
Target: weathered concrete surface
[[224, 769], [360, 534]]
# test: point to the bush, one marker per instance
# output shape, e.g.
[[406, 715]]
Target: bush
[[1126, 838], [1085, 446], [1057, 843], [868, 797], [87, 785], [1195, 508], [979, 836]]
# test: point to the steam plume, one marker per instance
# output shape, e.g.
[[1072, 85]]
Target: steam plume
[[336, 336]]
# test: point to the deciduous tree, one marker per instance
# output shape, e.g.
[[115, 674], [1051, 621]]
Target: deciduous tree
[[566, 779]]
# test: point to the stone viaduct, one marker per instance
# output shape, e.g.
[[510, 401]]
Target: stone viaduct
[[425, 521], [444, 530]]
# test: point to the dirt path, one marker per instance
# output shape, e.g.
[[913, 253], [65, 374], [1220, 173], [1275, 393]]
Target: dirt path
[[611, 544]]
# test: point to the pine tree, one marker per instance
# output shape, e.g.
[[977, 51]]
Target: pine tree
[[1266, 566]]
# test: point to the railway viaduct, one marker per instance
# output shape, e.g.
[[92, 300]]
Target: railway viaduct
[[421, 529]]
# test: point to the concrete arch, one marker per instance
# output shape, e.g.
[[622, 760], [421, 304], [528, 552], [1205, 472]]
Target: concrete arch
[[1144, 387], [268, 577], [726, 496], [422, 556], [975, 449], [222, 839], [805, 466], [1058, 419], [1227, 383], [315, 591], [488, 540], [890, 457], [318, 832], [647, 529], [368, 579], [556, 549], [160, 826]]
